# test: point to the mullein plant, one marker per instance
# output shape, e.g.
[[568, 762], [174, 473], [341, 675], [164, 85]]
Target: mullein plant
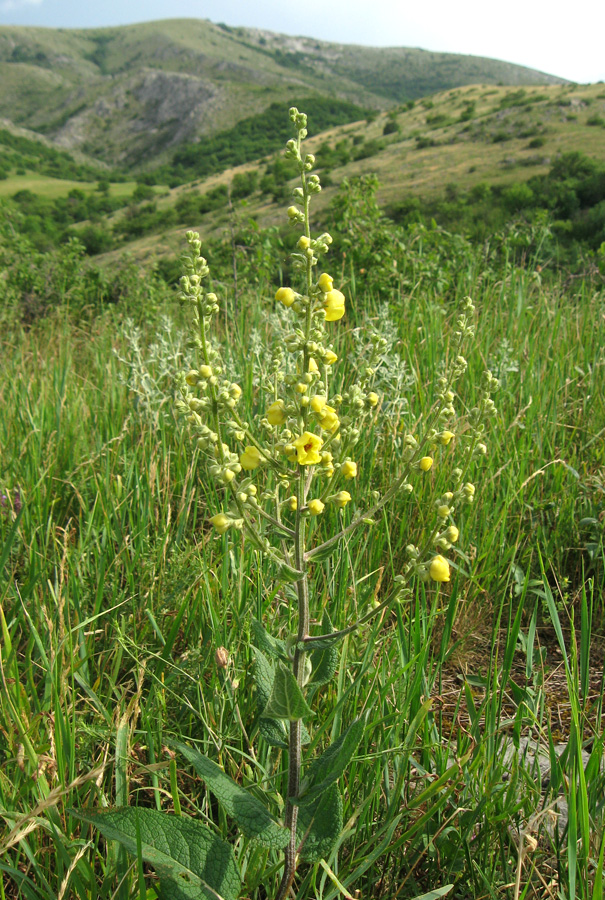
[[281, 471]]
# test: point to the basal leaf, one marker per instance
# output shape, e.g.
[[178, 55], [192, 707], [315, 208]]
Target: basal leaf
[[252, 817], [322, 823], [192, 862], [328, 768], [286, 700]]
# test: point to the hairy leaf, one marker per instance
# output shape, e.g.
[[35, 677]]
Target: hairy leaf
[[252, 817], [328, 768], [192, 862], [267, 643], [322, 823], [324, 661], [286, 700]]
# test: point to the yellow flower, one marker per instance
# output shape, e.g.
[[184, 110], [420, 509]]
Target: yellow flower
[[276, 414], [444, 437], [317, 403], [443, 511], [221, 522], [334, 305], [330, 357], [307, 449], [313, 365], [349, 469], [303, 242], [292, 503], [250, 458], [425, 463], [316, 507], [286, 296], [439, 569], [452, 534], [373, 399], [341, 499], [329, 420], [325, 283]]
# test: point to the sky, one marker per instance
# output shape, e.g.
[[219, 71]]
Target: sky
[[564, 39]]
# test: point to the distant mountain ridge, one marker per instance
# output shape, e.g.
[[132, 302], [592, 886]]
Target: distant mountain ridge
[[131, 95]]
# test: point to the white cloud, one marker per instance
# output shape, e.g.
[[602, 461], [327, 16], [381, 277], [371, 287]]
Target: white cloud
[[10, 5]]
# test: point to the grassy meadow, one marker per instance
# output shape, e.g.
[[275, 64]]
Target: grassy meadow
[[116, 594]]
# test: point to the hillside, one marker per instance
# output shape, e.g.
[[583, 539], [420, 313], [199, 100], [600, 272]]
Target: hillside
[[457, 151], [131, 95]]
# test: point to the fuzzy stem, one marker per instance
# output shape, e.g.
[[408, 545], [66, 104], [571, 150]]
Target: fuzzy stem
[[302, 588]]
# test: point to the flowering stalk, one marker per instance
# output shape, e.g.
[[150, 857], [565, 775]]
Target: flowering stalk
[[282, 473]]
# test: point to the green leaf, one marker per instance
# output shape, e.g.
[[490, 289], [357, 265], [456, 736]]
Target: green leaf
[[192, 862], [288, 574], [324, 661], [264, 676], [436, 893], [267, 643], [273, 730], [331, 764], [322, 555], [286, 700], [252, 817], [322, 823]]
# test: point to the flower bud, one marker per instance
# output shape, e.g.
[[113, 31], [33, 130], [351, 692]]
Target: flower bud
[[425, 463], [250, 459], [349, 469], [286, 296], [325, 282], [341, 499], [276, 414], [221, 658], [452, 534], [439, 569], [221, 522], [316, 507], [444, 437]]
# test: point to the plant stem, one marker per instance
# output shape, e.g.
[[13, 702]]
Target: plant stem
[[302, 588], [298, 667]]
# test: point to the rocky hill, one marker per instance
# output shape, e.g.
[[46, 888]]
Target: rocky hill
[[129, 96]]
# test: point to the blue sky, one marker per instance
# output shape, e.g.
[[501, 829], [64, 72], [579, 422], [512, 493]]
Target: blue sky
[[534, 33]]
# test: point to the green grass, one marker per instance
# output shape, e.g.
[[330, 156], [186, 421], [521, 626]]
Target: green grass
[[52, 188], [116, 595]]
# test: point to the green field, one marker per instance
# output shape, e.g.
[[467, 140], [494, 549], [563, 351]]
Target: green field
[[52, 188], [117, 592]]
